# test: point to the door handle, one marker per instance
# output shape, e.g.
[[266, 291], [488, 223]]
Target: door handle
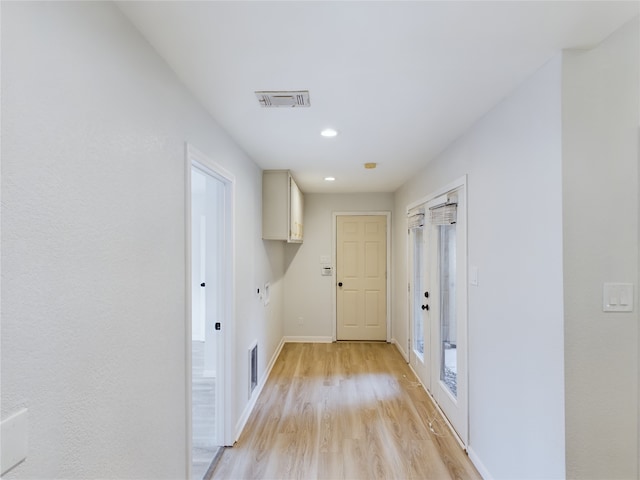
[[202, 284], [425, 307], [339, 284]]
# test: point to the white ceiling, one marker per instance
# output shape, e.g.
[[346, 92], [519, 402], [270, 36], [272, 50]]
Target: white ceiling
[[399, 80]]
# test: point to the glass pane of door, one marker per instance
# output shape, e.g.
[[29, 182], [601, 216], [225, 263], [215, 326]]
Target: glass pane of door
[[448, 326], [418, 289]]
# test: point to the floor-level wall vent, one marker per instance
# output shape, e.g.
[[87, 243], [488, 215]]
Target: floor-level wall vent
[[253, 367]]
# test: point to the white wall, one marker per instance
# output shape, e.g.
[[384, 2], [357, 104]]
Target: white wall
[[516, 367], [307, 293], [600, 198], [93, 244]]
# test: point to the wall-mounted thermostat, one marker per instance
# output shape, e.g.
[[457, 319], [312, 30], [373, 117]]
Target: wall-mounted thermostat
[[326, 271]]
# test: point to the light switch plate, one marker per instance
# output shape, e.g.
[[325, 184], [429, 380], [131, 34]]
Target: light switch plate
[[617, 297], [14, 440]]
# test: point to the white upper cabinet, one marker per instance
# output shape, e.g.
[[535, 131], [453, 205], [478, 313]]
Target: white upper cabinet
[[282, 207]]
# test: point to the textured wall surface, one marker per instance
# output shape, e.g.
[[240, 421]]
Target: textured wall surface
[[93, 244], [515, 335], [600, 202]]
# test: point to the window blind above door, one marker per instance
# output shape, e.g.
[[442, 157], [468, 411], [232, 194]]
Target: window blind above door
[[445, 214], [415, 217]]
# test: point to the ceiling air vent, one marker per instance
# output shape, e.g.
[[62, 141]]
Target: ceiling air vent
[[284, 99]]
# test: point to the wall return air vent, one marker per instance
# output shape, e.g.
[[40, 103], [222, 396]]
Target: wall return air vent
[[284, 99]]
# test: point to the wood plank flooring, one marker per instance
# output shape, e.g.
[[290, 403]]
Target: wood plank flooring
[[203, 414], [344, 411]]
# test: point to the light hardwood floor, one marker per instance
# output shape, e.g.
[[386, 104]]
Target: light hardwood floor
[[344, 410], [203, 414]]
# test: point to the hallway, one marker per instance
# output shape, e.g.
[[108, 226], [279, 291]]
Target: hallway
[[344, 410]]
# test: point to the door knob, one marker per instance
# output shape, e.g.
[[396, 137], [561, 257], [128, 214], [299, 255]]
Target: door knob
[[202, 284], [339, 284], [425, 307]]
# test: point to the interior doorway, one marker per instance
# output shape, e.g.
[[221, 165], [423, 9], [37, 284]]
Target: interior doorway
[[210, 291]]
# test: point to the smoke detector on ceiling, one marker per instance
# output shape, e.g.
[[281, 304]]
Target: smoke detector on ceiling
[[284, 99]]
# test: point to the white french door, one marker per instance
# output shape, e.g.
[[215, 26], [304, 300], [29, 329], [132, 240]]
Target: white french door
[[438, 302], [420, 335]]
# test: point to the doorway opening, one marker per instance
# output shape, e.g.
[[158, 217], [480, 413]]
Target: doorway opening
[[210, 310]]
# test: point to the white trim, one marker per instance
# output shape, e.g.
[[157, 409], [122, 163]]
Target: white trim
[[333, 256], [400, 349], [194, 158], [246, 413], [482, 470], [187, 312], [409, 281], [459, 182], [218, 170], [307, 339]]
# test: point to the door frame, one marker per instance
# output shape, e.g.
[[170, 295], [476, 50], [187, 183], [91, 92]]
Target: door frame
[[195, 158], [334, 309], [461, 182], [425, 371]]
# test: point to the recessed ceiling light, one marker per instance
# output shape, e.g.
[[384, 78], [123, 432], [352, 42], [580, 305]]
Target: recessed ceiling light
[[329, 179], [370, 165], [329, 132]]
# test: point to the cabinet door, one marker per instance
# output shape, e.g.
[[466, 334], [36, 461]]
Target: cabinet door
[[276, 189], [296, 207]]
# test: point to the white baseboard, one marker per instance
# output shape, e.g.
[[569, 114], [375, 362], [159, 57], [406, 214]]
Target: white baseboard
[[309, 339], [400, 349], [482, 470], [242, 421]]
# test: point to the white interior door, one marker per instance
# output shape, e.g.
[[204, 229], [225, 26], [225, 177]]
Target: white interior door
[[361, 273], [420, 313], [446, 220]]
